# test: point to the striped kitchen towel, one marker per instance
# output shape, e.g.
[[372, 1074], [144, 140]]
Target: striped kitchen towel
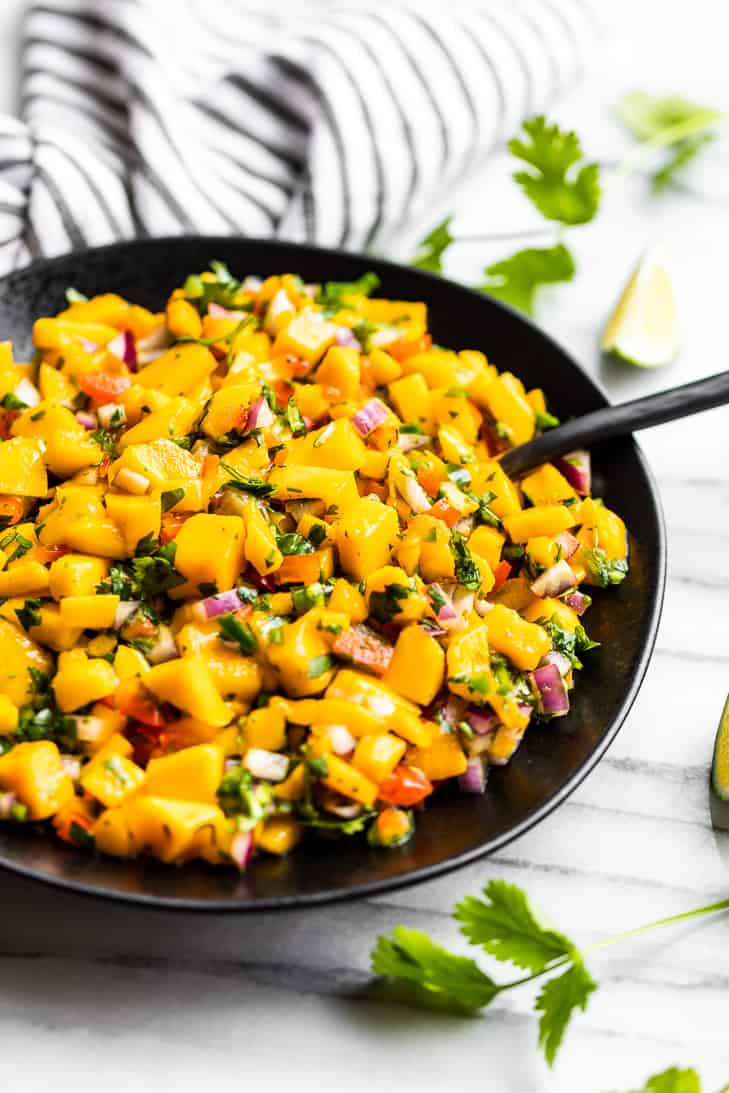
[[311, 120]]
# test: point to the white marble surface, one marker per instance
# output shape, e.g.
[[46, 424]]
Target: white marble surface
[[101, 993]]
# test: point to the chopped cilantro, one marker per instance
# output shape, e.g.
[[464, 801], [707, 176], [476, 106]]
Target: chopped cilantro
[[170, 498], [385, 605], [467, 572], [319, 665]]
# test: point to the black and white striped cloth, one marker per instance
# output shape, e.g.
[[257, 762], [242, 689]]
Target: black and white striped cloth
[[328, 122]]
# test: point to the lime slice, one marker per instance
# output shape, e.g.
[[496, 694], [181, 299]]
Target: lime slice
[[720, 763], [643, 328]]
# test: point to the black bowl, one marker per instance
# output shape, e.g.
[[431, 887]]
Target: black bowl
[[552, 760]]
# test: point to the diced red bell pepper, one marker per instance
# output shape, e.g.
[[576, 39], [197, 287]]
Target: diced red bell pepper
[[408, 347], [501, 573], [406, 786], [364, 648], [103, 387]]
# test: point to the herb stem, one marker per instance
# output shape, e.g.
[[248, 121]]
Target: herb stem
[[683, 916], [672, 134]]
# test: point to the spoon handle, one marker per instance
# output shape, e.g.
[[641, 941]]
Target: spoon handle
[[620, 420]]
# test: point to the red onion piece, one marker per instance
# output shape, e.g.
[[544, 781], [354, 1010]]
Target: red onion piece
[[87, 419], [483, 607], [222, 603], [575, 466], [568, 543], [164, 648], [7, 800], [369, 416], [561, 662], [553, 697], [344, 336], [251, 284], [555, 580], [72, 766], [90, 729], [441, 603], [241, 849], [123, 346], [217, 311], [406, 442], [473, 779], [260, 416], [578, 601], [124, 612], [268, 765], [341, 739], [27, 392], [481, 723]]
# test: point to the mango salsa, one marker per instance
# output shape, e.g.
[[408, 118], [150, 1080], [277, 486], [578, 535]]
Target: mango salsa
[[262, 571]]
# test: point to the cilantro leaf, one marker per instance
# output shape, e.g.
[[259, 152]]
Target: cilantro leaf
[[333, 293], [295, 418], [604, 570], [245, 483], [504, 924], [430, 250], [671, 121], [673, 1080], [169, 498], [515, 280], [412, 956], [466, 571], [12, 402], [556, 1001], [29, 614], [559, 192], [222, 288]]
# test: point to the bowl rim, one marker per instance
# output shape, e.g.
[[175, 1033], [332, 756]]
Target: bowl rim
[[424, 873]]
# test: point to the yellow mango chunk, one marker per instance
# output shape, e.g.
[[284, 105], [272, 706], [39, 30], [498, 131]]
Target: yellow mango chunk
[[602, 528], [556, 609], [337, 445], [379, 702], [178, 370], [160, 461], [302, 659], [365, 535], [340, 371], [295, 483], [22, 467], [188, 684], [89, 612], [82, 681], [377, 755], [305, 336], [8, 715], [34, 772], [228, 408], [508, 405], [192, 774], [111, 834], [111, 777], [172, 420], [53, 631], [546, 486], [135, 517], [469, 664], [266, 728], [129, 663], [349, 600], [210, 550], [411, 398], [18, 653], [166, 828], [260, 542], [347, 780], [443, 759], [76, 575], [546, 520], [487, 542], [279, 835], [24, 578], [523, 642], [392, 596], [417, 666]]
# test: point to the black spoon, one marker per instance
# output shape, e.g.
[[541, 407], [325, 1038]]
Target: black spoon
[[612, 421]]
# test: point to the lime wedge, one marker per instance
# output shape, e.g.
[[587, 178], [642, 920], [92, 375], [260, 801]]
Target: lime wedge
[[643, 328], [720, 763]]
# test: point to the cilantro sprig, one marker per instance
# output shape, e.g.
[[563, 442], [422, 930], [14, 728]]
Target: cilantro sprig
[[564, 188], [671, 124], [501, 921]]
